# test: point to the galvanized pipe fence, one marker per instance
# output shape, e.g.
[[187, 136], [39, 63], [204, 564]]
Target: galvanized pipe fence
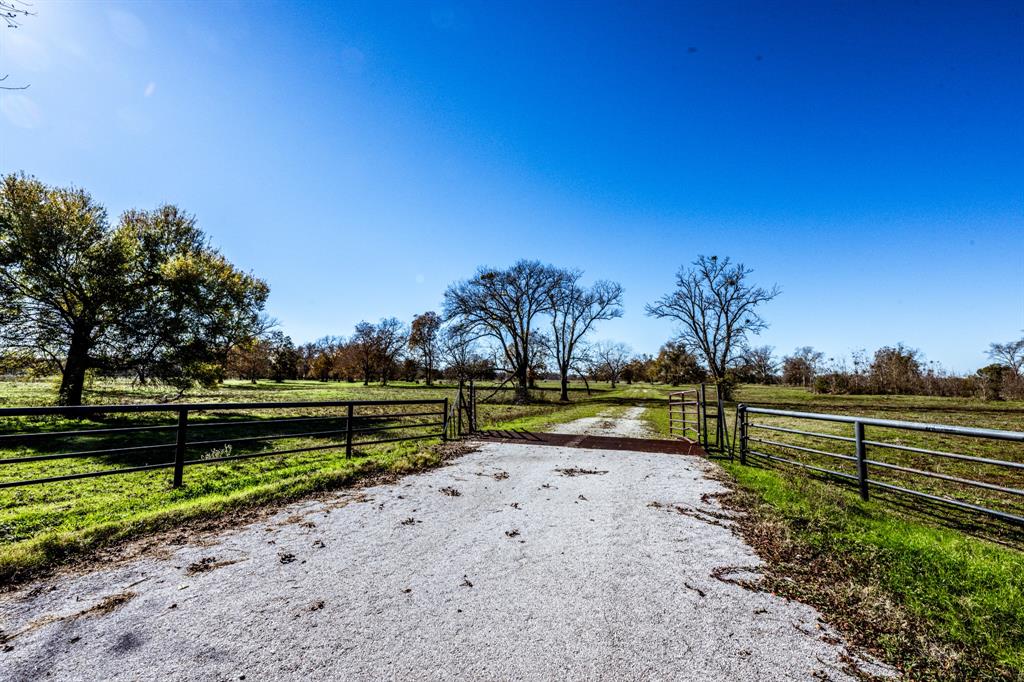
[[689, 418], [867, 468]]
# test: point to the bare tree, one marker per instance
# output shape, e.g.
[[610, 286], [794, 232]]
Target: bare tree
[[1010, 354], [574, 311], [503, 305], [424, 338], [391, 338], [459, 352], [12, 12], [761, 363], [609, 359], [800, 368], [716, 308]]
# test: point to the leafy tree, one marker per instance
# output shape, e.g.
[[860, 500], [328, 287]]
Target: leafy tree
[[410, 369], [250, 359], [424, 339], [896, 369], [284, 358], [377, 348], [149, 296], [574, 311], [716, 308], [364, 347], [640, 368], [391, 339], [676, 365], [503, 306], [992, 379]]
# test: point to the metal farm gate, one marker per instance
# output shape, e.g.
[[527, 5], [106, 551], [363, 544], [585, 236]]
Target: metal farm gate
[[695, 417]]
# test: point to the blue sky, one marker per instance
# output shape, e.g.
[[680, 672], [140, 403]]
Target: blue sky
[[867, 157]]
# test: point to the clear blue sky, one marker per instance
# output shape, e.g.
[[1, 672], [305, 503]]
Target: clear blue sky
[[867, 157]]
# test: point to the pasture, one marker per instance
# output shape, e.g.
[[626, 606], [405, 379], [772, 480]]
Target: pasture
[[935, 591], [42, 524]]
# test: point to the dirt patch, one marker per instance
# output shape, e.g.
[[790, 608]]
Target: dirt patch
[[576, 471], [618, 443], [450, 491], [103, 607], [207, 564], [107, 604]]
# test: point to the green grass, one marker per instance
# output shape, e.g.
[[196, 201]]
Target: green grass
[[42, 525], [941, 603], [938, 602]]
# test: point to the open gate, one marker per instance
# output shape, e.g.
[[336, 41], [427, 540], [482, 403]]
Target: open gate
[[684, 415], [461, 417], [695, 417]]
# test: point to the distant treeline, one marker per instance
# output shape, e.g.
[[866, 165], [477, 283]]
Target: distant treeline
[[893, 369], [148, 297]]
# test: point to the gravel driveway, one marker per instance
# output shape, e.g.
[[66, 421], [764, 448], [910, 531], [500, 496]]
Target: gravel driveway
[[629, 425], [516, 561]]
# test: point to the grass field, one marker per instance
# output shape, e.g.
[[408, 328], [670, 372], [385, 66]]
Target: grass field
[[940, 594], [43, 524]]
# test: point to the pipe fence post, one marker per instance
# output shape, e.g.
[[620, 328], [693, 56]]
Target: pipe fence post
[[862, 462], [741, 412], [702, 414], [444, 420], [348, 431], [179, 448]]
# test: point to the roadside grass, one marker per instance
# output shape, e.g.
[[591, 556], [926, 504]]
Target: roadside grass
[[44, 525], [898, 577], [937, 603]]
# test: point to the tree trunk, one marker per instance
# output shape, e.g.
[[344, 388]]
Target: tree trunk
[[522, 384], [564, 396], [72, 380]]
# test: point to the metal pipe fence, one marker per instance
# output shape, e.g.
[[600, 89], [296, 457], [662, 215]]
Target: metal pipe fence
[[680, 422], [937, 475], [26, 439]]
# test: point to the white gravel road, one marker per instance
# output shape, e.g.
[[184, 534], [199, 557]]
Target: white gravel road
[[629, 425], [524, 573]]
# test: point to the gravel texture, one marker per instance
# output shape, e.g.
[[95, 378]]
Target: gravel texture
[[629, 425], [516, 561]]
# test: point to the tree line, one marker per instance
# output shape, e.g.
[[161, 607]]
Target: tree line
[[898, 369], [148, 297]]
